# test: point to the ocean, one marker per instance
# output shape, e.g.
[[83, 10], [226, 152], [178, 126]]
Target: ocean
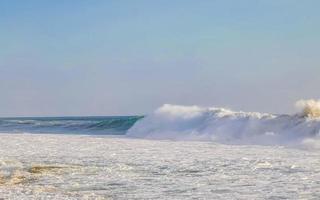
[[108, 125], [176, 152]]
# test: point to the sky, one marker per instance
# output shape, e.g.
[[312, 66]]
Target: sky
[[124, 57]]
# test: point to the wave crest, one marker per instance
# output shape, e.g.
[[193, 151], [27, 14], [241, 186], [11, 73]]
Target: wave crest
[[223, 125]]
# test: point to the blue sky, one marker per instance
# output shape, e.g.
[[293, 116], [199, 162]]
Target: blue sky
[[128, 57]]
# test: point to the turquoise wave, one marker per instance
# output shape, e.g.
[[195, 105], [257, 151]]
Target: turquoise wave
[[74, 125]]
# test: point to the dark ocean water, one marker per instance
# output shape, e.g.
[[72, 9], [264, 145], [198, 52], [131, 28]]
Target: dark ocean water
[[108, 125]]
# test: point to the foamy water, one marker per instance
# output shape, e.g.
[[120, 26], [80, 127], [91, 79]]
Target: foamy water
[[86, 167], [203, 153]]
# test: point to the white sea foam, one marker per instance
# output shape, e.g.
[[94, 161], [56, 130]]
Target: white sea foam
[[85, 167], [218, 124]]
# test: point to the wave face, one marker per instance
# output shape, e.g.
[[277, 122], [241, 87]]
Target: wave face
[[223, 125], [72, 125]]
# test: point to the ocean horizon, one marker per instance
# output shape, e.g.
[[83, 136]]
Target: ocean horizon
[[223, 97]]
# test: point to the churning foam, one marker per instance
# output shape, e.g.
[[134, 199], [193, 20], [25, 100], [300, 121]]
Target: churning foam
[[218, 124]]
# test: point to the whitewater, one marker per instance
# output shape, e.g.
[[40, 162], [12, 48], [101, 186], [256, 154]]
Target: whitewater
[[176, 152], [177, 122]]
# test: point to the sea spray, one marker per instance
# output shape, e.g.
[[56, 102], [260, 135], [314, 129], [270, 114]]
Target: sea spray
[[309, 108], [177, 122]]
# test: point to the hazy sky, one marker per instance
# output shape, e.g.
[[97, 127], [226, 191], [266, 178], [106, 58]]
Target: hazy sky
[[122, 57]]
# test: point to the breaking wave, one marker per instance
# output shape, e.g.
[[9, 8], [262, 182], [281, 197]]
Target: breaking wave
[[177, 122]]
